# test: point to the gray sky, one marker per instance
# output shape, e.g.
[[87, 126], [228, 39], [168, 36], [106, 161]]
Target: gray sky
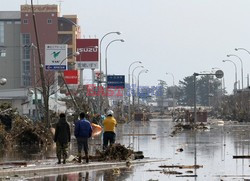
[[177, 36]]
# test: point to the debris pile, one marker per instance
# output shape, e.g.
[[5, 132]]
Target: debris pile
[[24, 132], [180, 127], [20, 130], [115, 152]]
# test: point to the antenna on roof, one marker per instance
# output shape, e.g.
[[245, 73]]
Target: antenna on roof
[[26, 2], [60, 5]]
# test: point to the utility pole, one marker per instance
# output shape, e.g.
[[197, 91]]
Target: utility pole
[[41, 67], [35, 90]]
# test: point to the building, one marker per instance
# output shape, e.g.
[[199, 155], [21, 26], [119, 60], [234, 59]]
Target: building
[[10, 65], [18, 64]]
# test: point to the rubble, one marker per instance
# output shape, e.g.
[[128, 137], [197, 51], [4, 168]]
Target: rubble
[[115, 152], [180, 127], [21, 130]]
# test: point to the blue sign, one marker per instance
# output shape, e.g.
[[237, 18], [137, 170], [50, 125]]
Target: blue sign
[[116, 81], [55, 67]]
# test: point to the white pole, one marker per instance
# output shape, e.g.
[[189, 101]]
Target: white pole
[[93, 76]]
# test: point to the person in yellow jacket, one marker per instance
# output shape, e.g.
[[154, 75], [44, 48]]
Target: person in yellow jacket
[[109, 125]]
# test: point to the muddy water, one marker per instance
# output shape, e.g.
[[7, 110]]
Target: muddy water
[[213, 149]]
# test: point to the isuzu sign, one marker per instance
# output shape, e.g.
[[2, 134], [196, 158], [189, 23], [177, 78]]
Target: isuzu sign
[[89, 53], [56, 56]]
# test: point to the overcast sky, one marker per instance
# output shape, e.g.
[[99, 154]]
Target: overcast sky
[[176, 36]]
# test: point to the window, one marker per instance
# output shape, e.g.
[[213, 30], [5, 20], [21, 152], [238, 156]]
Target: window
[[26, 73], [26, 39], [25, 21], [1, 32], [26, 53], [2, 52], [49, 21]]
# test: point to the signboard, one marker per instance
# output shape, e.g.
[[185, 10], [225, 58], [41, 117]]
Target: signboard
[[88, 58], [71, 76], [219, 74], [114, 81], [56, 56]]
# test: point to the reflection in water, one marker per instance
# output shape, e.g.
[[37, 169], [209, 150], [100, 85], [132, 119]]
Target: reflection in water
[[214, 149]]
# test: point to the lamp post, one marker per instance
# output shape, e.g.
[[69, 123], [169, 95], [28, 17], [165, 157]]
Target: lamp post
[[232, 55], [100, 59], [236, 49], [100, 52], [173, 89], [106, 57], [129, 108], [235, 68], [133, 90], [138, 83]]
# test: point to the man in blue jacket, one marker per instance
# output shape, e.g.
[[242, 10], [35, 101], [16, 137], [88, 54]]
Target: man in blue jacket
[[83, 131]]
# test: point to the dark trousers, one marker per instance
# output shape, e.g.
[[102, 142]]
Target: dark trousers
[[82, 144], [62, 150], [108, 138]]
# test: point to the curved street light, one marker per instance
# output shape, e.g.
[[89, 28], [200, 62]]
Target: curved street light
[[236, 49], [138, 82], [232, 55], [100, 59], [100, 53], [133, 91], [129, 108], [235, 68], [106, 56]]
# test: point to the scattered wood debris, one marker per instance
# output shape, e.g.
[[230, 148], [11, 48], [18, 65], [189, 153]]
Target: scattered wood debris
[[20, 130], [170, 172], [180, 127], [182, 166], [115, 152]]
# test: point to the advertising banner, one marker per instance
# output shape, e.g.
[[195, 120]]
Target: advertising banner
[[89, 53], [71, 76], [56, 56]]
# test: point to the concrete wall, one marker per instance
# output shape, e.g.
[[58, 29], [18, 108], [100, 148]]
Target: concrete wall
[[10, 64]]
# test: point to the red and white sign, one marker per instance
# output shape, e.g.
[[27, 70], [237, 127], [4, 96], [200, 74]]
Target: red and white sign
[[71, 76], [89, 53]]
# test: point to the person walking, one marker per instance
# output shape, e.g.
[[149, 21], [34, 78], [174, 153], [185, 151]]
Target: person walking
[[83, 131], [62, 138], [109, 129]]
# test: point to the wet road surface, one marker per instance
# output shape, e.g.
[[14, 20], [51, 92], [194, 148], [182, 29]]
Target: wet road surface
[[213, 149]]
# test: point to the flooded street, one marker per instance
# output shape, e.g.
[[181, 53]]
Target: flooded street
[[214, 150]]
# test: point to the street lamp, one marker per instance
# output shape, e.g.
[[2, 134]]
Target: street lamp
[[236, 49], [100, 59], [3, 81], [106, 57], [235, 67], [173, 89], [133, 91], [100, 53], [138, 84], [232, 55], [129, 108]]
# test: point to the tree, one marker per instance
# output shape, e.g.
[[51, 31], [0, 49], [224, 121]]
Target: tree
[[187, 90]]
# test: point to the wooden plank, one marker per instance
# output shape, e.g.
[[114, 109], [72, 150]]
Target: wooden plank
[[241, 157]]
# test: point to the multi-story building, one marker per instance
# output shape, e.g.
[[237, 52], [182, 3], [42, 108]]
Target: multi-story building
[[17, 63], [10, 25]]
